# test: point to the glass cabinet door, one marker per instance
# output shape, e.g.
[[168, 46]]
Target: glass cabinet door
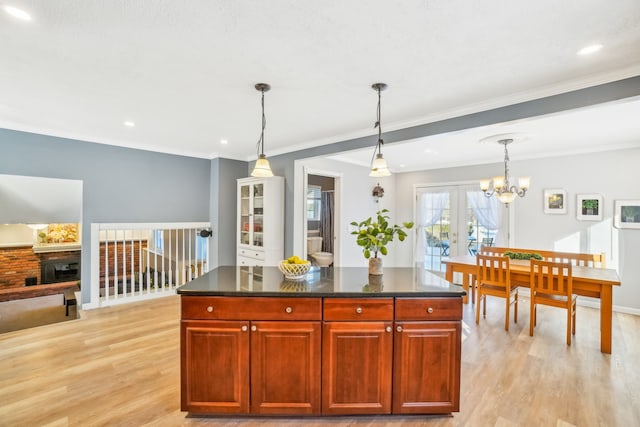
[[245, 218], [258, 214]]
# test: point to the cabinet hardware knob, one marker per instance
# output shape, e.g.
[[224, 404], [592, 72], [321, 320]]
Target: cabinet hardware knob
[[254, 328], [399, 329], [244, 329], [359, 310], [209, 309], [429, 310], [388, 329], [288, 309]]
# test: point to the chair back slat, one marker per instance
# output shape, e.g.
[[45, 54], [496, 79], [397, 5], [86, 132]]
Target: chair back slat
[[493, 270], [551, 278]]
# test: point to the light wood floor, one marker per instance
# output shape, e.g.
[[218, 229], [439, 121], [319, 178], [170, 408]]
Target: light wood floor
[[119, 366]]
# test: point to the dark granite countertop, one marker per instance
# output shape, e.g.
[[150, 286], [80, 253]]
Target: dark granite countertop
[[321, 282]]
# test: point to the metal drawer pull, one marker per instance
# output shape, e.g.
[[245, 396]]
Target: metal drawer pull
[[388, 329], [359, 310], [429, 310], [288, 309], [244, 329], [399, 329], [254, 328], [209, 309]]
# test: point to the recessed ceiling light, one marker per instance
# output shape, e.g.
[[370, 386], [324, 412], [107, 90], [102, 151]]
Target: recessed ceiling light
[[428, 150], [588, 50], [224, 142], [402, 165], [130, 124], [17, 13]]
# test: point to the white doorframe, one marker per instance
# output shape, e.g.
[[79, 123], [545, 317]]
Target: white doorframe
[[299, 203], [461, 220]]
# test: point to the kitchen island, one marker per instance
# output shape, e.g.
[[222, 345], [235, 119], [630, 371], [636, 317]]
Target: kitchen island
[[336, 342]]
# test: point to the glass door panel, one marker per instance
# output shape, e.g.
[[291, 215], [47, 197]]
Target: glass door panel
[[245, 218], [451, 225]]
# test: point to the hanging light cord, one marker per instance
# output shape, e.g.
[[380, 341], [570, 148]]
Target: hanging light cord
[[506, 184], [379, 126], [260, 144]]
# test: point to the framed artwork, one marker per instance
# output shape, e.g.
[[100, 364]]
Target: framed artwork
[[589, 207], [555, 201], [626, 214]]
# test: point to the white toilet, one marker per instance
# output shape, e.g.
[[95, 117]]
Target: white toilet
[[314, 248], [323, 259]]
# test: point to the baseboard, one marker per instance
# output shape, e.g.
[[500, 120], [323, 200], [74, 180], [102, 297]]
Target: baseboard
[[590, 302]]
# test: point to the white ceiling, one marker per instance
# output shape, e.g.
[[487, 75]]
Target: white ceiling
[[184, 72]]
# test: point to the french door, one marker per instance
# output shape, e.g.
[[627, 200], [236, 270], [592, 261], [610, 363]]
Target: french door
[[448, 225]]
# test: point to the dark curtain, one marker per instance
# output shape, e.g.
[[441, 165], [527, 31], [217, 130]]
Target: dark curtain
[[326, 221]]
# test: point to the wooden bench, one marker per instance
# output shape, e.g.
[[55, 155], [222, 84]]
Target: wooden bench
[[587, 260]]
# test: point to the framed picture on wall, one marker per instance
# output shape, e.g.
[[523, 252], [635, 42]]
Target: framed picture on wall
[[555, 201], [626, 214], [589, 207]]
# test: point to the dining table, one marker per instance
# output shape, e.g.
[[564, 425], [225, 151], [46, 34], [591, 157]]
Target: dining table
[[587, 281]]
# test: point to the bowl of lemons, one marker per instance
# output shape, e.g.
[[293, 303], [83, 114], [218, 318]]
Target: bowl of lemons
[[294, 267]]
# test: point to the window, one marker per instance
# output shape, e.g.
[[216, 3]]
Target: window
[[313, 202], [201, 248], [158, 241]]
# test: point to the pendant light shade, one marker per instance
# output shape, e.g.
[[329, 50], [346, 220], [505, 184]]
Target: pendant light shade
[[379, 166], [262, 168]]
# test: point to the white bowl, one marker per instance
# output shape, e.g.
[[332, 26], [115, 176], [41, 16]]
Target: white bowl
[[294, 271]]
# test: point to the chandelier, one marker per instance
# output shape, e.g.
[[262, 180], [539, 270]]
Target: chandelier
[[379, 165], [262, 168], [502, 188]]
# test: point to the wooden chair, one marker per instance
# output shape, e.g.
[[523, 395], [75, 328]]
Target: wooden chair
[[493, 278], [551, 284]]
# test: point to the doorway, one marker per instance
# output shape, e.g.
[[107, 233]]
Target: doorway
[[455, 220], [321, 217]]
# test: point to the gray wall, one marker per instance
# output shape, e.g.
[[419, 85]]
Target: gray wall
[[118, 184], [223, 206]]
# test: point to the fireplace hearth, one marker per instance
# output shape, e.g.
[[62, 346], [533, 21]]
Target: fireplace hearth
[[60, 270]]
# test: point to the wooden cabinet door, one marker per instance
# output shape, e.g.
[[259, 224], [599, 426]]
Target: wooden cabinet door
[[426, 371], [214, 366], [356, 367], [285, 367]]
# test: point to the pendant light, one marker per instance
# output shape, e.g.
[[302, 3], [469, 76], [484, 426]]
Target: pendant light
[[502, 188], [379, 165], [262, 168]]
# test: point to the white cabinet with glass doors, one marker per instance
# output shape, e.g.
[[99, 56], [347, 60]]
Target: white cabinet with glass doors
[[260, 229]]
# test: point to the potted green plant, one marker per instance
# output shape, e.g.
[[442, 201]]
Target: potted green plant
[[589, 207], [628, 213], [375, 234]]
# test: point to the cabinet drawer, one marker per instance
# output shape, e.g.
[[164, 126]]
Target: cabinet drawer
[[358, 309], [428, 308], [250, 262], [248, 308], [248, 253]]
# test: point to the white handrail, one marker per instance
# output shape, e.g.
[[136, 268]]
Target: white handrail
[[134, 261]]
